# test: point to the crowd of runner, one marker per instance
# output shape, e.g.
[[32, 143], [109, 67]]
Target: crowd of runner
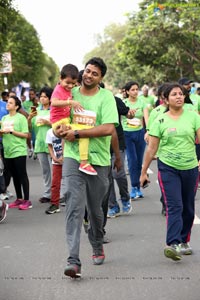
[[86, 137]]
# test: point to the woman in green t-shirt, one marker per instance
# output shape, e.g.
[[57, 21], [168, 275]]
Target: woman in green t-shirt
[[174, 133], [39, 123], [15, 133], [134, 130]]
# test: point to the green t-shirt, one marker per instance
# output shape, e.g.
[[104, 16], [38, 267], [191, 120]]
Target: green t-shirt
[[137, 122], [155, 113], [40, 131], [196, 101], [15, 146], [177, 139], [27, 105], [190, 107], [103, 104], [149, 101]]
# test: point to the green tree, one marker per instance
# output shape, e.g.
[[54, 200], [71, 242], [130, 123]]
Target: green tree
[[29, 62], [162, 42], [50, 72], [7, 13], [159, 43], [27, 55], [107, 49]]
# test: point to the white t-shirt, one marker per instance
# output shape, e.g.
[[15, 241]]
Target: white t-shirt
[[56, 144]]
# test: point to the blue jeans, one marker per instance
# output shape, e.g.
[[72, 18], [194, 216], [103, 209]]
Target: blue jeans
[[135, 147]]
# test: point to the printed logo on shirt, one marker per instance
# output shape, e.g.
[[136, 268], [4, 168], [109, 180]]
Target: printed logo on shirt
[[8, 125], [172, 131], [57, 147]]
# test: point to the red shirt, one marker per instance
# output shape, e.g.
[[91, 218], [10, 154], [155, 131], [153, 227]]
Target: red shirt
[[58, 113]]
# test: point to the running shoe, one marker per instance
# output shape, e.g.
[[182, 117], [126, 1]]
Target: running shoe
[[126, 207], [173, 251], [133, 193], [73, 271], [52, 209], [3, 196], [62, 201], [16, 203], [98, 257], [88, 169], [44, 200], [186, 249], [26, 204], [30, 153], [113, 212], [139, 194], [9, 194]]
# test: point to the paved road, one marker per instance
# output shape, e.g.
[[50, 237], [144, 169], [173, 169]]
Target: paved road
[[33, 255]]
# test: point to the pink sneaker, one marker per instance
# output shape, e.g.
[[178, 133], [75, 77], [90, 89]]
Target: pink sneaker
[[16, 203], [26, 204], [88, 169]]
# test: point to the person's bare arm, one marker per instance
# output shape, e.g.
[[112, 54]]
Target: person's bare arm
[[198, 135], [19, 134], [30, 116], [60, 103], [63, 103], [146, 115]]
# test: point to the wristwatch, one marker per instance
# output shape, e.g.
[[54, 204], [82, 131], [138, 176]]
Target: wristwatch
[[76, 134]]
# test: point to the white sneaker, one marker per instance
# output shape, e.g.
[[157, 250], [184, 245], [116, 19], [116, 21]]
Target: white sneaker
[[186, 249], [9, 194], [3, 196], [30, 153]]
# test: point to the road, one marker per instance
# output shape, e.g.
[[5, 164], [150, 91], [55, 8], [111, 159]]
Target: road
[[33, 254]]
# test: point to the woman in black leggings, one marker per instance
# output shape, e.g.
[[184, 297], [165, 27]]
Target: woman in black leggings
[[15, 133]]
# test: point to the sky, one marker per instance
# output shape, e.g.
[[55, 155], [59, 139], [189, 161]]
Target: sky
[[67, 29]]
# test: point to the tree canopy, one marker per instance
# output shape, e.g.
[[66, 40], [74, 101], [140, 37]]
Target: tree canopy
[[6, 18], [29, 62], [159, 43]]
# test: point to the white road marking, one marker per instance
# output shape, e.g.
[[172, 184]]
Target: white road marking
[[196, 220]]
